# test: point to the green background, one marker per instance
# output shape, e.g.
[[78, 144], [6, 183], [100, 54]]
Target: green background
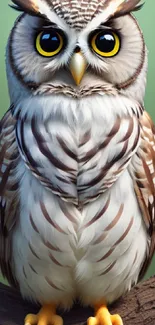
[[146, 19]]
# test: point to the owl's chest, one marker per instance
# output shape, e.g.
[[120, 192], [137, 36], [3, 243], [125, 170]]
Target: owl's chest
[[79, 148], [82, 210], [53, 237]]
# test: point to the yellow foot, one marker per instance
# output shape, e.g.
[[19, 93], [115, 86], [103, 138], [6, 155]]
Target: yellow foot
[[103, 317], [46, 316]]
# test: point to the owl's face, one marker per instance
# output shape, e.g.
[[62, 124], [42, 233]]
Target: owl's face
[[77, 43]]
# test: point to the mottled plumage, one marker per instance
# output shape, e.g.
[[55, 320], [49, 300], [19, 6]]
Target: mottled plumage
[[77, 162]]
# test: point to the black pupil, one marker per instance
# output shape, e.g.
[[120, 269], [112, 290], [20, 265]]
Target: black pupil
[[50, 41], [105, 42]]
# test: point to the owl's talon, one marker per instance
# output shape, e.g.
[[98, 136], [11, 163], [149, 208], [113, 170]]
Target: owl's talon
[[92, 321], [103, 317], [31, 319], [46, 316], [116, 320]]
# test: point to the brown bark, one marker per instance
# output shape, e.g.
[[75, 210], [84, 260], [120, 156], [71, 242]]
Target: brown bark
[[136, 308]]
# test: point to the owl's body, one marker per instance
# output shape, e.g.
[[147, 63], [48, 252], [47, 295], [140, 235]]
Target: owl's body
[[67, 251], [80, 180]]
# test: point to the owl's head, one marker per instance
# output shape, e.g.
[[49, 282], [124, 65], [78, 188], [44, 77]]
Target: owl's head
[[73, 45]]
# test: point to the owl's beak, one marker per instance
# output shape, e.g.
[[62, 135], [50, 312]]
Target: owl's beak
[[78, 67]]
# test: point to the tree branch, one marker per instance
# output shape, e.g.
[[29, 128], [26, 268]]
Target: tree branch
[[136, 308]]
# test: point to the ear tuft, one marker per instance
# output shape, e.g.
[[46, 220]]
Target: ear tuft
[[17, 8], [29, 6], [128, 6]]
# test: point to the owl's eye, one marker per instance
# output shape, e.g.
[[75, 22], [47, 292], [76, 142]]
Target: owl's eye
[[49, 43], [105, 43]]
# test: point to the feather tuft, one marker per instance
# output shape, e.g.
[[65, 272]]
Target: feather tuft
[[126, 7], [28, 6], [15, 7]]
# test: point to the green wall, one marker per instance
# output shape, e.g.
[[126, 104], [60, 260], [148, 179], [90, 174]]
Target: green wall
[[146, 19]]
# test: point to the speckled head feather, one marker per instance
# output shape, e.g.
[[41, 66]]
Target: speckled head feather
[[77, 13]]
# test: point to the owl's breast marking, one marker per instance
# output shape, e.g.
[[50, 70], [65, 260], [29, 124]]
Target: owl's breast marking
[[79, 148]]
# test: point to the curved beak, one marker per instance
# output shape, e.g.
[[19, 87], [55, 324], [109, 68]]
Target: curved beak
[[78, 67]]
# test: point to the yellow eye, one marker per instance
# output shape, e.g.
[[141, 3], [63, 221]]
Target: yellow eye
[[105, 43], [49, 43]]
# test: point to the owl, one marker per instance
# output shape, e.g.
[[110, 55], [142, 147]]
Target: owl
[[77, 157]]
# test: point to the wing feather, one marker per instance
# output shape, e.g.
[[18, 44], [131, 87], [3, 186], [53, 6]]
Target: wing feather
[[143, 173], [9, 203]]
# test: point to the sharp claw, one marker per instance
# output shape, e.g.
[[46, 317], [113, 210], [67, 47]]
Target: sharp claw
[[92, 321], [103, 317], [116, 320], [31, 319], [57, 320], [46, 316]]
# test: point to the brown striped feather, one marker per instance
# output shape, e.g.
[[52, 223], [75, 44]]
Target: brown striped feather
[[116, 219], [36, 167], [118, 241], [24, 273], [129, 130], [143, 174], [42, 146], [109, 268], [33, 251], [49, 219], [50, 246], [99, 214], [49, 281], [86, 137], [110, 226], [54, 260], [105, 169], [63, 145], [109, 172], [92, 152], [67, 214], [9, 203], [45, 242], [33, 269], [33, 224]]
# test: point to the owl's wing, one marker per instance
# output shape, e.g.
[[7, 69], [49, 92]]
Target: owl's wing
[[143, 173], [9, 156]]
